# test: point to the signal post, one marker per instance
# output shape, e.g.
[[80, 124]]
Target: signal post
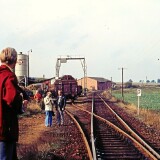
[[138, 95]]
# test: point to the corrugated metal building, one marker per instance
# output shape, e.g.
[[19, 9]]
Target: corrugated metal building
[[95, 83]]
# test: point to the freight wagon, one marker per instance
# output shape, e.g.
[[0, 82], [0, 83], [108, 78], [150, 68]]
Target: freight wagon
[[69, 86]]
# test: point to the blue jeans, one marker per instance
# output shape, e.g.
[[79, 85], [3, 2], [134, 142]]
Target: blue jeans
[[60, 117], [7, 150], [48, 119]]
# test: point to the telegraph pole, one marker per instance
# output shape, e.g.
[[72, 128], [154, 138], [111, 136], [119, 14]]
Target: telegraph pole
[[28, 66], [122, 83], [111, 86]]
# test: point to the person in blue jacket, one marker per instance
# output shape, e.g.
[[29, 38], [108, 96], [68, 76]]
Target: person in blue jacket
[[60, 107]]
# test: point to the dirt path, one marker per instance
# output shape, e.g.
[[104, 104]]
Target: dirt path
[[39, 142], [32, 136], [31, 129]]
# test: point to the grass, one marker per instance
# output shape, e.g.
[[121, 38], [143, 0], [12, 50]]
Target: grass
[[149, 104], [150, 115], [31, 109], [149, 99]]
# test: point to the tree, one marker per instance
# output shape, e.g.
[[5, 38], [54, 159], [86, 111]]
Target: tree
[[128, 84], [148, 81], [153, 81], [158, 80]]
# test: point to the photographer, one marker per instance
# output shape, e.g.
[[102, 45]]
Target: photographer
[[48, 101]]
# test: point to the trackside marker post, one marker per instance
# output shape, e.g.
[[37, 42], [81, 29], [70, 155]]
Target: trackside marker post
[[138, 95]]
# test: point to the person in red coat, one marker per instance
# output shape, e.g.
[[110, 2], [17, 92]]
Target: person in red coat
[[10, 104], [37, 97]]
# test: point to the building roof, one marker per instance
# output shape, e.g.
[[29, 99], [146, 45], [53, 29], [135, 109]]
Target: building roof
[[99, 79]]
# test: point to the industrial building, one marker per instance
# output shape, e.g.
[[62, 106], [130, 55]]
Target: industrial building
[[90, 83], [22, 68], [95, 83]]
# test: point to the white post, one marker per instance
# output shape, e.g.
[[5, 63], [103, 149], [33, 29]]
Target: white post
[[138, 95]]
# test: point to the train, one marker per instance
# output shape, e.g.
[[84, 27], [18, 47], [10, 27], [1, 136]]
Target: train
[[69, 87], [67, 84]]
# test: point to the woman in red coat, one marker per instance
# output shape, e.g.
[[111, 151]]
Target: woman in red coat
[[10, 104]]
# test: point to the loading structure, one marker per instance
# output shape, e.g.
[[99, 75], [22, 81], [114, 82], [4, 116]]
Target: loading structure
[[64, 59]]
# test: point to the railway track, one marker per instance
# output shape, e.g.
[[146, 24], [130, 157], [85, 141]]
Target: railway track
[[111, 144], [111, 138]]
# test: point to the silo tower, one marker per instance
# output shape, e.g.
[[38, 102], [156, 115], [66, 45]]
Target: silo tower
[[22, 68]]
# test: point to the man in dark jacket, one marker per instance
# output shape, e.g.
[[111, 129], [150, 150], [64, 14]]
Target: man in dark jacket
[[10, 104], [60, 107]]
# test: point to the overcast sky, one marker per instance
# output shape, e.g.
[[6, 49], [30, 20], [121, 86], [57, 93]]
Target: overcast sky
[[109, 34]]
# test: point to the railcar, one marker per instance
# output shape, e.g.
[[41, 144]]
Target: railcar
[[69, 86]]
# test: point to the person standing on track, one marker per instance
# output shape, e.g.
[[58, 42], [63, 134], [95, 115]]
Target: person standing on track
[[10, 105], [60, 107], [48, 101]]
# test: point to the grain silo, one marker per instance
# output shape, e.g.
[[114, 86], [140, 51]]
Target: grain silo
[[21, 69]]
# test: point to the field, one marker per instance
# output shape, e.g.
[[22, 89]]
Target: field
[[149, 99]]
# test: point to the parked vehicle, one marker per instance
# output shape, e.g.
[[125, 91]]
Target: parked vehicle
[[69, 86]]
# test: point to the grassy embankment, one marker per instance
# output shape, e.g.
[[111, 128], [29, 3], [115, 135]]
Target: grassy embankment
[[149, 99], [149, 103]]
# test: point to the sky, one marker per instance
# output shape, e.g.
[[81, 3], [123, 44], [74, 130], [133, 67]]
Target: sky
[[109, 34]]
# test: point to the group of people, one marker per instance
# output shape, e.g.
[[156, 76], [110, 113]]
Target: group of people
[[12, 103], [48, 104], [59, 104]]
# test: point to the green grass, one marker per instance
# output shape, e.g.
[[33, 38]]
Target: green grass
[[149, 99]]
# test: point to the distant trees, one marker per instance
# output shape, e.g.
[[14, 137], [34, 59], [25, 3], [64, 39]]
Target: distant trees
[[158, 80], [153, 81], [129, 84], [148, 81]]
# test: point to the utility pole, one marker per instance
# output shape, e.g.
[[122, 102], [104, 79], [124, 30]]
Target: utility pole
[[111, 86], [122, 83], [28, 66]]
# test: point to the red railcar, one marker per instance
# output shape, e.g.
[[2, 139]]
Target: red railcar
[[68, 85]]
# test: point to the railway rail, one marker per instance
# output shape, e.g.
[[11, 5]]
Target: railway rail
[[100, 134], [111, 137]]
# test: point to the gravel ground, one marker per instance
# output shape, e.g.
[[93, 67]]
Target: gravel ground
[[39, 142]]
